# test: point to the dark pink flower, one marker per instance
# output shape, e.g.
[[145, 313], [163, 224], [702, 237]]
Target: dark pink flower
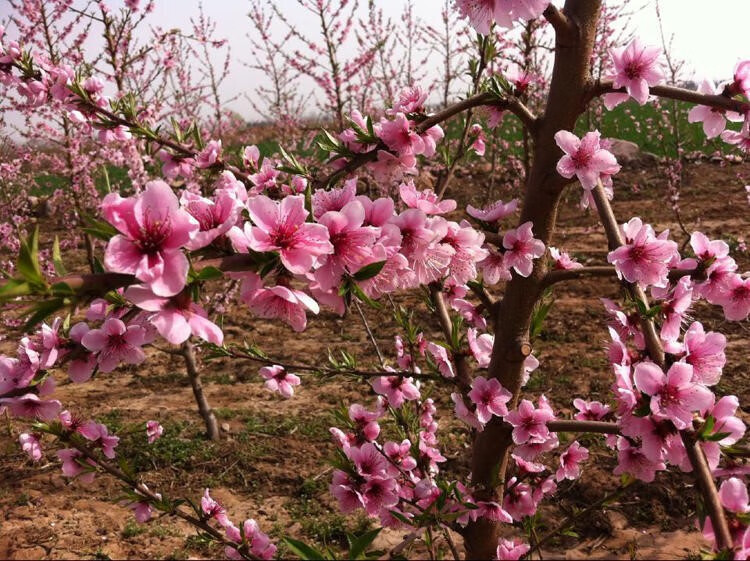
[[279, 380], [521, 248], [645, 258], [396, 389], [529, 423], [426, 200], [115, 342], [636, 67], [705, 353], [489, 397], [287, 304], [570, 461], [154, 430]]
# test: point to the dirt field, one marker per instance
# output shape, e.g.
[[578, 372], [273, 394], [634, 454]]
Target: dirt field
[[271, 461]]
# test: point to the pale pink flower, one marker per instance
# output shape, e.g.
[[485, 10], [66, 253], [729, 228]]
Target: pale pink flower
[[30, 406], [152, 230], [714, 119], [259, 544], [511, 550], [741, 83], [590, 410], [521, 248], [740, 139], [476, 135], [489, 397], [636, 67], [173, 166], [99, 434], [279, 380], [426, 200], [494, 212], [705, 353], [494, 268], [31, 445], [480, 346], [116, 342], [410, 100], [562, 260], [366, 421], [530, 423], [632, 460], [392, 168], [324, 200], [570, 461], [281, 227], [251, 157], [288, 304], [519, 500], [209, 155], [265, 178], [733, 495], [212, 509], [735, 299], [443, 362], [154, 430], [396, 389], [72, 467], [176, 319], [421, 245], [674, 396], [464, 414], [215, 217], [400, 454], [584, 158], [645, 258], [724, 413], [352, 244], [673, 311]]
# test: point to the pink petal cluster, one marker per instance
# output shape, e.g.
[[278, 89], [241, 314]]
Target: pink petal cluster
[[279, 380], [636, 68], [645, 258], [585, 158]]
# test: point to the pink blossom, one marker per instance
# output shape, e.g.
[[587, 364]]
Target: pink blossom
[[176, 319], [173, 166], [519, 500], [494, 212], [114, 343], [724, 413], [99, 434], [636, 68], [494, 268], [590, 410], [632, 460], [741, 83], [265, 178], [521, 248], [426, 201], [392, 168], [480, 346], [31, 445], [212, 509], [740, 139], [352, 244], [154, 430], [324, 200], [72, 467], [152, 229], [209, 155], [282, 302], [735, 299], [410, 100], [705, 353], [399, 135], [570, 461], [279, 380], [733, 495], [30, 406], [584, 158], [562, 260], [714, 119], [396, 389], [366, 421], [673, 311], [281, 227], [400, 454], [420, 244], [258, 543], [529, 423], [511, 550], [489, 397], [645, 258], [443, 362], [674, 396], [215, 217], [476, 134], [464, 414]]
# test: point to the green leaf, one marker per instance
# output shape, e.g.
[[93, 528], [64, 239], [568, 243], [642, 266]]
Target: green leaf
[[14, 287], [41, 311], [358, 545], [369, 271], [98, 228], [57, 258], [359, 293], [28, 259], [302, 549], [400, 517], [209, 273]]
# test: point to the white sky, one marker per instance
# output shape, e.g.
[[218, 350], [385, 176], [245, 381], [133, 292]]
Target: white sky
[[710, 36]]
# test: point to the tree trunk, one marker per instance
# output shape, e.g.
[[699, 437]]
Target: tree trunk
[[570, 79]]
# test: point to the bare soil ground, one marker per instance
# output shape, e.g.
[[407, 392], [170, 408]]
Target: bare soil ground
[[271, 461]]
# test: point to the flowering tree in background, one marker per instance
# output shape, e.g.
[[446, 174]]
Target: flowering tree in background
[[297, 233]]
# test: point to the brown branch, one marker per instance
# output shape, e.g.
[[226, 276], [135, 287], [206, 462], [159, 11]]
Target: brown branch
[[559, 21], [463, 373], [680, 94], [561, 275]]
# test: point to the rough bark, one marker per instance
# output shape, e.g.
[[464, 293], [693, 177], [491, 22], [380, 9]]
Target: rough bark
[[212, 426]]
